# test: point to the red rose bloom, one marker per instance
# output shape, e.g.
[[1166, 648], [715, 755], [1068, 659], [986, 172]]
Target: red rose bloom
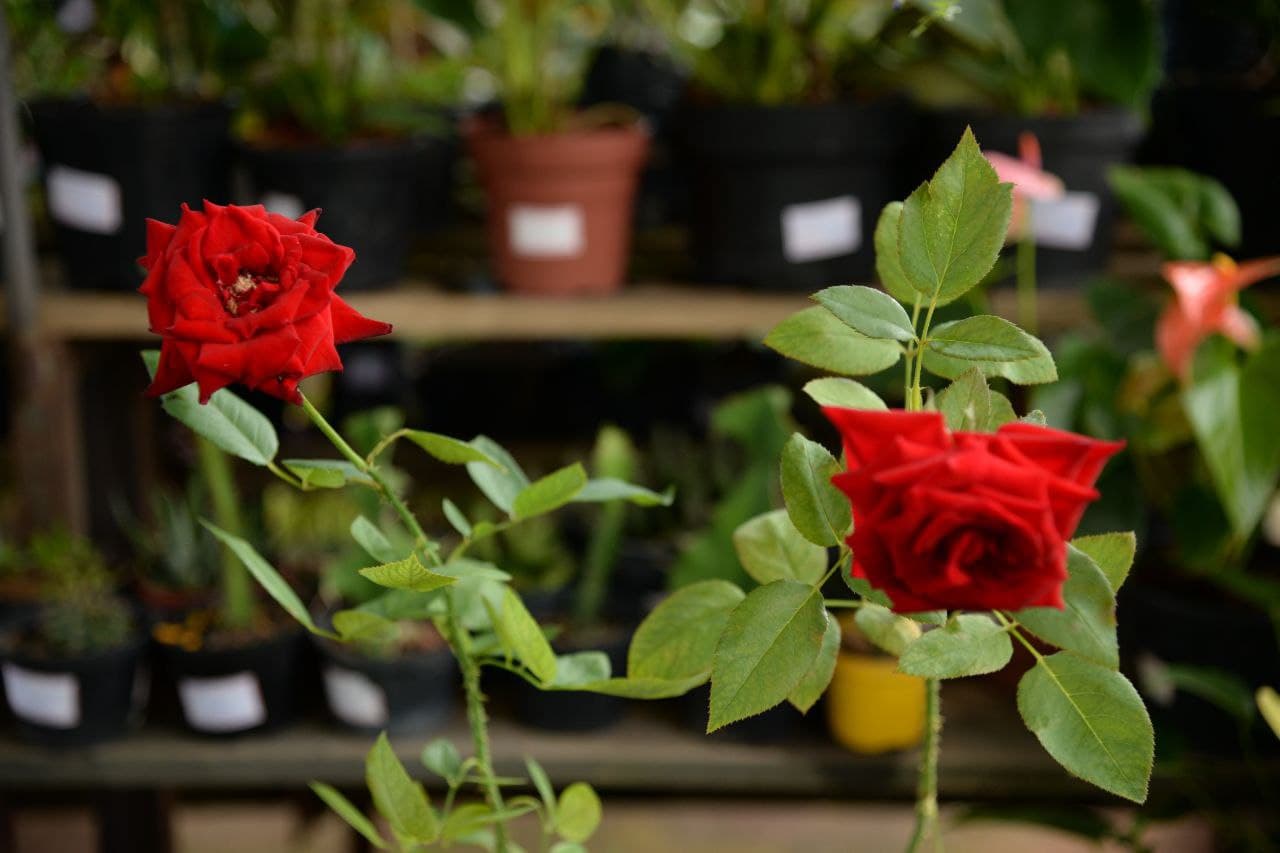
[[964, 521], [240, 295]]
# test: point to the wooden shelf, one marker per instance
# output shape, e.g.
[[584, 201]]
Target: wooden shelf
[[424, 314]]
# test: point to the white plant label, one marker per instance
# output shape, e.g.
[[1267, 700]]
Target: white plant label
[[546, 231], [45, 698], [1065, 223], [284, 204], [355, 698], [228, 703], [85, 201], [817, 230]]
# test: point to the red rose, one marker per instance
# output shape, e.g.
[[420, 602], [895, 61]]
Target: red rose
[[240, 295], [964, 521]]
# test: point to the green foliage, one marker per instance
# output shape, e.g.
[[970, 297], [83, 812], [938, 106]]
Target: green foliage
[[1092, 721], [886, 630], [816, 507], [521, 637], [81, 612], [549, 493], [816, 337], [818, 677], [408, 574], [678, 639], [846, 393], [968, 644], [578, 813], [1184, 213], [1087, 625], [771, 548], [175, 551], [397, 797], [1112, 553], [346, 810], [869, 311]]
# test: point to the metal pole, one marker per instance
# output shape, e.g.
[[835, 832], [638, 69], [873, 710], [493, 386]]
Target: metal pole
[[22, 284]]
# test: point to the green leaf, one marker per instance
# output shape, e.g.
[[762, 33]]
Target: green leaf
[[606, 489], [1269, 705], [355, 626], [349, 813], [1029, 371], [1087, 625], [228, 422], [408, 573], [576, 670], [1001, 412], [551, 492], [818, 676], [374, 542], [845, 393], [451, 451], [771, 549], [499, 484], [984, 338], [872, 312], [862, 588], [326, 473], [969, 644], [647, 687], [952, 228], [441, 757], [1112, 552], [267, 577], [885, 629], [888, 259], [768, 645], [817, 508], [578, 812], [456, 518], [398, 798], [678, 639], [543, 786], [814, 336], [965, 404], [1092, 721], [522, 637], [567, 847]]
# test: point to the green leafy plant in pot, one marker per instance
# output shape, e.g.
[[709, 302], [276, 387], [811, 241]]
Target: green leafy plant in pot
[[127, 110], [1076, 78], [559, 182], [351, 112], [790, 139], [178, 559], [73, 670]]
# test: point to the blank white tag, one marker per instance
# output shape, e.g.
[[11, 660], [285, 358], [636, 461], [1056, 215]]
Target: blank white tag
[[1065, 223], [228, 703], [354, 697], [546, 231], [816, 230], [46, 698], [284, 204], [86, 201]]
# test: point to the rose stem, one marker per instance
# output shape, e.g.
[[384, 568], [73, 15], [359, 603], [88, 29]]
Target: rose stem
[[458, 635]]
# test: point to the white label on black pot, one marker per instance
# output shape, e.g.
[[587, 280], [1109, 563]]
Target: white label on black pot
[[546, 230], [228, 703], [817, 230], [86, 201], [283, 204], [355, 698], [45, 698], [1066, 222]]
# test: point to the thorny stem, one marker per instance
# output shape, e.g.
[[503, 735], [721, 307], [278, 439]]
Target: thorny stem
[[458, 635]]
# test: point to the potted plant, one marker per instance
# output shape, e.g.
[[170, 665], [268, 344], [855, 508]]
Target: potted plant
[[73, 671], [1077, 78], [178, 558], [790, 147], [347, 114], [127, 111], [559, 182]]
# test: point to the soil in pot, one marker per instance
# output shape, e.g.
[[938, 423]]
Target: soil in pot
[[108, 168], [569, 710], [75, 701], [371, 193], [787, 197], [559, 205], [1074, 233], [234, 683], [409, 689]]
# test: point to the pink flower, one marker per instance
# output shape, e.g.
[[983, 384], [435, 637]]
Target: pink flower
[[1028, 179], [1208, 303]]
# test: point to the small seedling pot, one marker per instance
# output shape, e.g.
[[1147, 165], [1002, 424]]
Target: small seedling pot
[[410, 693]]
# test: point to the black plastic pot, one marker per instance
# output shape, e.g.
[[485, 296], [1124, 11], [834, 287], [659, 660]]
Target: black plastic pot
[[242, 689], [375, 195], [108, 168], [411, 694], [778, 724], [1078, 149], [569, 710], [788, 196], [78, 701]]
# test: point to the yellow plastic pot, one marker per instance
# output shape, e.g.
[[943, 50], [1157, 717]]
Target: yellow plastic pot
[[871, 707]]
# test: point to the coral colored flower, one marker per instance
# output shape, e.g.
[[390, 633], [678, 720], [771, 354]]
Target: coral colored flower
[[1207, 302], [963, 521], [1029, 180], [240, 295]]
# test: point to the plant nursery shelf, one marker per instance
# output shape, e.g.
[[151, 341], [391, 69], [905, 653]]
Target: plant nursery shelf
[[425, 314]]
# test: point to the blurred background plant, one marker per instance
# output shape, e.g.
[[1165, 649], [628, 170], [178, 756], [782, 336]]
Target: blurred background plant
[[82, 610]]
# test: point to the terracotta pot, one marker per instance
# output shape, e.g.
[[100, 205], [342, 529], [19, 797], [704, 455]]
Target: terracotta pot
[[560, 205]]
